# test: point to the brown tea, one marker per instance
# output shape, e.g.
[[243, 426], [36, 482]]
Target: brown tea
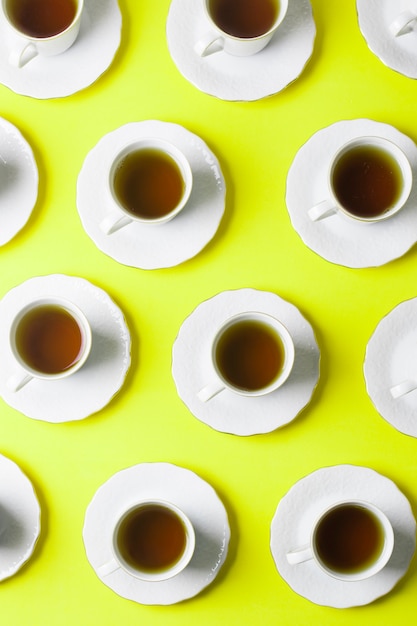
[[41, 18], [367, 181], [49, 339], [244, 18], [148, 183], [349, 539], [151, 538], [250, 355]]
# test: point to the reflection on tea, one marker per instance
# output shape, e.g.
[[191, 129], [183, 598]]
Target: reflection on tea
[[250, 355], [151, 538], [367, 181], [148, 183], [349, 539], [41, 18], [244, 18], [49, 339]]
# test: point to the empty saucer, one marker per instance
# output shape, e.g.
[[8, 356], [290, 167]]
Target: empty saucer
[[299, 508], [241, 78], [94, 385], [339, 240], [229, 412], [180, 487], [20, 518]]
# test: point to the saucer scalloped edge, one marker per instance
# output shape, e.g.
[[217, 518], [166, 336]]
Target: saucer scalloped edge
[[21, 514], [181, 487], [97, 382], [19, 181], [229, 412], [297, 510], [153, 246]]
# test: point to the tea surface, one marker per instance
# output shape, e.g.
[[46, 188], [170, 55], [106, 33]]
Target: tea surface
[[367, 181], [151, 538], [244, 18], [148, 183], [41, 18], [49, 339], [250, 355], [349, 539]]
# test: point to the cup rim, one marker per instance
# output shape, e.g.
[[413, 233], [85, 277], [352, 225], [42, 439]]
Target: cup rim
[[282, 11], [400, 157], [183, 560], [178, 157], [285, 337], [81, 320], [386, 551], [33, 39]]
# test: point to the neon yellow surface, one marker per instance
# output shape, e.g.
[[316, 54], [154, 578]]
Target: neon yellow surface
[[256, 247]]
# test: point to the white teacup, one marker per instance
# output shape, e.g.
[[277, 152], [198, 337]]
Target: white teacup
[[261, 353], [122, 212], [351, 540], [30, 37], [403, 23], [379, 155], [153, 540], [230, 36], [50, 339]]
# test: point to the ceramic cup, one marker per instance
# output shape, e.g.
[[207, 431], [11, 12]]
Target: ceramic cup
[[153, 540], [351, 540], [404, 23], [252, 354], [50, 339], [156, 180], [28, 40], [351, 165], [232, 37]]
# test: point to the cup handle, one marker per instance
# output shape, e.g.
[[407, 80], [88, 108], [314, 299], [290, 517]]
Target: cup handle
[[20, 56], [108, 568], [402, 24], [17, 381], [299, 556], [209, 44], [321, 210], [403, 388], [209, 391], [114, 222]]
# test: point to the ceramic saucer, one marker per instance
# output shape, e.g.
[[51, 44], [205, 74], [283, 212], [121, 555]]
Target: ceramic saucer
[[237, 78], [73, 70], [18, 181], [335, 238], [179, 486], [165, 245], [93, 386], [296, 512], [20, 518], [375, 18], [229, 412], [389, 361]]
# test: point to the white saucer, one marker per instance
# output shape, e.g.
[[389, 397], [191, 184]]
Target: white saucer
[[179, 486], [18, 181], [390, 360], [73, 70], [93, 386], [165, 245], [335, 238], [238, 78], [375, 17], [297, 510], [22, 517], [229, 412]]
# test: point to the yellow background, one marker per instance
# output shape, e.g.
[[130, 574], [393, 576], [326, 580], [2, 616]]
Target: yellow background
[[256, 247]]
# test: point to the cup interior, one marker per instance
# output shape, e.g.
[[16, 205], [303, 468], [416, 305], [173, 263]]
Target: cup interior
[[154, 540], [246, 19], [42, 19]]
